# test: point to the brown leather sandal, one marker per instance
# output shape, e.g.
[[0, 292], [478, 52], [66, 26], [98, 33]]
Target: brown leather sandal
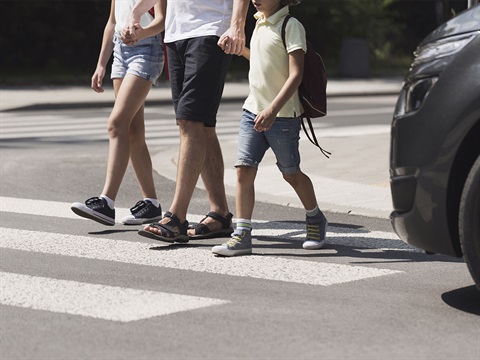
[[203, 232], [167, 231]]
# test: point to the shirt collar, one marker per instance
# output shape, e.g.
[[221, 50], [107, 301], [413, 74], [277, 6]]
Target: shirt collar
[[273, 19]]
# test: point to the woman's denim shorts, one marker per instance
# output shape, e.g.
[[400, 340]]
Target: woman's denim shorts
[[145, 59], [282, 137]]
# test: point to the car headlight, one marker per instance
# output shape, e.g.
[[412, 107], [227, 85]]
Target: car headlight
[[442, 48], [413, 95]]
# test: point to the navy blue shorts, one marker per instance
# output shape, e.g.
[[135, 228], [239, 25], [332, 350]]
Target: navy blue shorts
[[197, 69]]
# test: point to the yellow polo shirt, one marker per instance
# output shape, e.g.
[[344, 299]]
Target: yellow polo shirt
[[269, 62]]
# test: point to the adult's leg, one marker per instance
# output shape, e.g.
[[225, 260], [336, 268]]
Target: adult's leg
[[213, 179], [130, 96], [191, 159]]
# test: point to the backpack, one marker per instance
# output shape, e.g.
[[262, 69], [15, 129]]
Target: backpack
[[313, 89]]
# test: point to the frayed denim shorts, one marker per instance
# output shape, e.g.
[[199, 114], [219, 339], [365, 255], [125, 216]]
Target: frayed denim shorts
[[145, 59], [283, 137]]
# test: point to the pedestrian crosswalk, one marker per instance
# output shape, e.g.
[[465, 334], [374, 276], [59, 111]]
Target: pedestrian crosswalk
[[124, 304], [161, 128], [160, 125]]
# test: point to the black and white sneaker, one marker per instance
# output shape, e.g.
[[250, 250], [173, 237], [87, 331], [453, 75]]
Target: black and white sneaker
[[95, 209], [144, 212]]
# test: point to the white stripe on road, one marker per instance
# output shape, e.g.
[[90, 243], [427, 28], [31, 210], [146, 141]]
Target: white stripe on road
[[357, 238], [185, 258], [360, 112], [46, 208], [93, 300]]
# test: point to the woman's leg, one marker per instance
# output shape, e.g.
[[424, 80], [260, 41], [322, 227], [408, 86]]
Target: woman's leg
[[140, 156], [130, 96]]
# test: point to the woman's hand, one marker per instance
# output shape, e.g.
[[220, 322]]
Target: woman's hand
[[97, 79]]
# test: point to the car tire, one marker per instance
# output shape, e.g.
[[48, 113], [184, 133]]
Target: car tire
[[469, 222]]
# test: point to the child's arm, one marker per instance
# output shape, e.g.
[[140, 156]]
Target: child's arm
[[246, 53], [265, 118], [105, 51]]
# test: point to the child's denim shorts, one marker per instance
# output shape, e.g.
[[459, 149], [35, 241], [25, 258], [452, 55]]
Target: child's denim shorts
[[282, 137], [145, 59]]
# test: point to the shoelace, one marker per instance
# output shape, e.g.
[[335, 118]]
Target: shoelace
[[235, 239], [94, 202], [313, 232], [138, 206]]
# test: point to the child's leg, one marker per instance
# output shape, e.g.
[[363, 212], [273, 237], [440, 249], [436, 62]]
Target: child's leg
[[251, 149], [240, 242], [303, 186], [283, 138], [315, 219], [130, 96], [245, 193]]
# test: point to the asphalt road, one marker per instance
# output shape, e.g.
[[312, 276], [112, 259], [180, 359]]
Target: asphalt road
[[71, 288]]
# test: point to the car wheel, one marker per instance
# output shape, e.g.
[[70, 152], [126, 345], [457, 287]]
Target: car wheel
[[469, 222]]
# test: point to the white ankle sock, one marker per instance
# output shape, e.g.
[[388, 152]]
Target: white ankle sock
[[153, 201], [110, 202], [244, 224], [313, 212]]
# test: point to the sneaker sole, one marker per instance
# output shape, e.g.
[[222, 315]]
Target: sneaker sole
[[141, 221], [93, 215], [222, 251], [313, 245]]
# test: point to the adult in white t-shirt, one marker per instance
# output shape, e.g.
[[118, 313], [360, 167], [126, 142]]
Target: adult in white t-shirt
[[197, 69]]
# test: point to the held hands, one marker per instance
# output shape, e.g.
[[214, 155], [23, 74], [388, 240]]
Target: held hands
[[232, 42], [131, 38]]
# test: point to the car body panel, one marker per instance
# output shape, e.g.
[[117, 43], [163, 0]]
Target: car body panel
[[465, 22], [433, 147]]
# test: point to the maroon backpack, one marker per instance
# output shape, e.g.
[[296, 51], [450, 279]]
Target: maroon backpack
[[313, 89]]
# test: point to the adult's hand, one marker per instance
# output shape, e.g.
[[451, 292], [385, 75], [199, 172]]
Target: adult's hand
[[232, 41]]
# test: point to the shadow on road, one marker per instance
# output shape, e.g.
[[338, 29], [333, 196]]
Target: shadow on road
[[465, 299]]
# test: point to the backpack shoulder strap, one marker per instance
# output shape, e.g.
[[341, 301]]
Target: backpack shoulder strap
[[313, 138], [284, 26]]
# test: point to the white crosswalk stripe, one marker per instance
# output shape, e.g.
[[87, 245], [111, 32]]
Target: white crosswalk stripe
[[161, 128], [121, 304], [93, 300], [160, 125]]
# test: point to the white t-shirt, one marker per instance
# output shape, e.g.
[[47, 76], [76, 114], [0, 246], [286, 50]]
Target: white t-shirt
[[122, 12], [269, 63], [187, 19]]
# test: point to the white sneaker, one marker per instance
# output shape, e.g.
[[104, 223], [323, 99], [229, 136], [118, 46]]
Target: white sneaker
[[144, 212], [316, 232], [239, 244]]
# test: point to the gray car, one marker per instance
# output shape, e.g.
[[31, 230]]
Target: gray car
[[435, 144]]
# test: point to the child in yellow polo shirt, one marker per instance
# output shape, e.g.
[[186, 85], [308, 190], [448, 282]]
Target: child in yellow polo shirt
[[271, 119]]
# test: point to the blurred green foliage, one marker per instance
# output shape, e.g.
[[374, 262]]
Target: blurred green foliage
[[48, 41]]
